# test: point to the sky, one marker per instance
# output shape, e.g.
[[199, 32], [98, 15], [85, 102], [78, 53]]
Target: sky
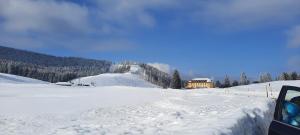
[[200, 38]]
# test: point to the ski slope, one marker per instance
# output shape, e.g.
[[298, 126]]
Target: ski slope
[[45, 109], [14, 79], [115, 79]]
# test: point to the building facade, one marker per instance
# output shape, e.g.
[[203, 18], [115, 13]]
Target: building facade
[[200, 83]]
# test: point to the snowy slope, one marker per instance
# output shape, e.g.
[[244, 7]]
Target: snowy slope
[[261, 89], [8, 78], [115, 79], [275, 84]]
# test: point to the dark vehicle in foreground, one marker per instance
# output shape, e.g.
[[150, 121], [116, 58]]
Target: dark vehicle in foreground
[[287, 112]]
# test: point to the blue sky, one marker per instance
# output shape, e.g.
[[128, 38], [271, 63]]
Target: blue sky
[[201, 38]]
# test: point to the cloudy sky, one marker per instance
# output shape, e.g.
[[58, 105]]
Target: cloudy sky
[[198, 37]]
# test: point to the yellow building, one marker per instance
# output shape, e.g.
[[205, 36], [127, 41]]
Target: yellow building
[[200, 83]]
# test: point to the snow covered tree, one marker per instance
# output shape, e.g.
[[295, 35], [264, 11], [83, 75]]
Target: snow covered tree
[[227, 82], [284, 76], [294, 76], [218, 84], [155, 76], [235, 83], [244, 80], [176, 80], [265, 77]]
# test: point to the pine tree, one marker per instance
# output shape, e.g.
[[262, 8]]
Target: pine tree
[[284, 76], [244, 80], [294, 76], [176, 81], [227, 82], [235, 83], [265, 77], [218, 84]]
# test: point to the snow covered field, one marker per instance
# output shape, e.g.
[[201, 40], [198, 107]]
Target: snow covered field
[[48, 109]]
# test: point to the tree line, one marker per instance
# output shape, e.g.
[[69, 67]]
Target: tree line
[[263, 78], [48, 68], [178, 83], [51, 73], [61, 69]]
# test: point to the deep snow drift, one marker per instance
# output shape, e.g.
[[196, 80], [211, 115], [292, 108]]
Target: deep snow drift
[[44, 109]]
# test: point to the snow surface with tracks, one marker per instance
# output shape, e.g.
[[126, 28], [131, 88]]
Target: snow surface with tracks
[[48, 109]]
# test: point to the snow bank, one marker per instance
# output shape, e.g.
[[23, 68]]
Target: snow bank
[[115, 79], [14, 79], [254, 121]]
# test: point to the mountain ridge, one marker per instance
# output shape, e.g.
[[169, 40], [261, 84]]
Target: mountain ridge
[[48, 67]]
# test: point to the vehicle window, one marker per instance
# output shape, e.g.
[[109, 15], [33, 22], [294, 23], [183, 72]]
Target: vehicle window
[[291, 108]]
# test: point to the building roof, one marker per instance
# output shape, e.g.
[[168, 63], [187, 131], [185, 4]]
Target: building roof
[[202, 79]]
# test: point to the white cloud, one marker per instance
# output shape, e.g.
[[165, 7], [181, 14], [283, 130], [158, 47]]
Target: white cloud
[[108, 16], [59, 24], [250, 13], [42, 16], [294, 37], [54, 23], [130, 13], [42, 22], [104, 16], [162, 67]]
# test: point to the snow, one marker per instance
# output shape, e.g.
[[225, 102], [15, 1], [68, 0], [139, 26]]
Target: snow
[[273, 88], [8, 78], [21, 99], [135, 69], [202, 79], [162, 67], [116, 79], [51, 109], [64, 83]]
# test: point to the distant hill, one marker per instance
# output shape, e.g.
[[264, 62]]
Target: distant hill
[[48, 68], [46, 60], [61, 69], [145, 71]]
